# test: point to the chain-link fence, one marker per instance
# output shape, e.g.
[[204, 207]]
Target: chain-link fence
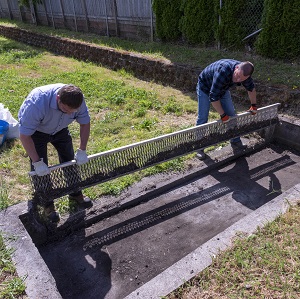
[[251, 16]]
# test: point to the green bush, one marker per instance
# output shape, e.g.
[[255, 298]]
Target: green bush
[[168, 15], [199, 21], [280, 35], [230, 31]]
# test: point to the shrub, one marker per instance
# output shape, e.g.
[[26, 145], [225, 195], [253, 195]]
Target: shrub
[[167, 14], [199, 21], [280, 35]]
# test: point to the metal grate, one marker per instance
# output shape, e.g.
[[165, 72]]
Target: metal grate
[[69, 177]]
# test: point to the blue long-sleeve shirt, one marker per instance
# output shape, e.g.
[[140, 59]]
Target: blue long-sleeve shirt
[[40, 112], [216, 78]]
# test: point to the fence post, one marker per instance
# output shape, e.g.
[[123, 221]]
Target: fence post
[[51, 11], [9, 10], [86, 16], [74, 13], [106, 18], [62, 12], [20, 12], [32, 10], [46, 13], [116, 16], [219, 44], [151, 22]]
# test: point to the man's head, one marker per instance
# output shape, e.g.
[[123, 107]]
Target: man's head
[[69, 98], [242, 71]]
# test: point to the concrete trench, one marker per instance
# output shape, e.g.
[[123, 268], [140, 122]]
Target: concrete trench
[[163, 230]]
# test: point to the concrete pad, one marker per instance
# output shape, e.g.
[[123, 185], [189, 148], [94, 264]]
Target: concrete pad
[[199, 259], [160, 232]]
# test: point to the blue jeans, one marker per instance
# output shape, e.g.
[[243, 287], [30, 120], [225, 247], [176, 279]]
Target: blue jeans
[[204, 106]]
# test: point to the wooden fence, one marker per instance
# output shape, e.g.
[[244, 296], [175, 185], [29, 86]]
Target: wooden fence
[[132, 19]]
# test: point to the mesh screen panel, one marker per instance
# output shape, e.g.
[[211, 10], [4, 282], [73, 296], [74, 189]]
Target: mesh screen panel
[[69, 177]]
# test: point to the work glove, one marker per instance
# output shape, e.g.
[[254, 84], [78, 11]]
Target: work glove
[[225, 118], [81, 157], [252, 109], [41, 168]]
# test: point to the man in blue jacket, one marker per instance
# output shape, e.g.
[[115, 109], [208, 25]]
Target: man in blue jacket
[[44, 118], [213, 88]]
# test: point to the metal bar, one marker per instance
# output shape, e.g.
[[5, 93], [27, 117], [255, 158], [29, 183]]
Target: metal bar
[[257, 31], [69, 177]]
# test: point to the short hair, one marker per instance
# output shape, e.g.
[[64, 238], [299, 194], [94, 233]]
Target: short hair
[[71, 96], [247, 68]]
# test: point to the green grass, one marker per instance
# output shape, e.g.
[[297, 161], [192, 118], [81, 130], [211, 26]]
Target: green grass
[[11, 286], [264, 265]]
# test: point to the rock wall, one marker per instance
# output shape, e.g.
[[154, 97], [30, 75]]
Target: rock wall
[[182, 77], [163, 72]]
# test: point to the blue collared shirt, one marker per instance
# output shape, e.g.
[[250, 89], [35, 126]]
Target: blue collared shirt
[[40, 112], [216, 78]]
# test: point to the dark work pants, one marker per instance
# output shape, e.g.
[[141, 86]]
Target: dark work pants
[[62, 141]]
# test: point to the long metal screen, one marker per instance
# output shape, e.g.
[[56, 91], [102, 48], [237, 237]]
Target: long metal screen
[[69, 177]]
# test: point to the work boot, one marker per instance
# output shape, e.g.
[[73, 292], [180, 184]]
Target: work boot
[[81, 200], [201, 155], [238, 145], [51, 214]]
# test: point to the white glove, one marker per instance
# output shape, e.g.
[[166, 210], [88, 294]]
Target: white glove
[[81, 157], [41, 168]]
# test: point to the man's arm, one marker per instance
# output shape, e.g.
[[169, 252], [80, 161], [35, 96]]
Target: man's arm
[[252, 96], [29, 147], [218, 107], [84, 135]]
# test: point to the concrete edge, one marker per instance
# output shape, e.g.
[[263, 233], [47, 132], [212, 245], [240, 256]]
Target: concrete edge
[[201, 258], [26, 256]]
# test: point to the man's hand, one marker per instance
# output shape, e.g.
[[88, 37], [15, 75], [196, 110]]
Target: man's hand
[[252, 109], [41, 168], [225, 118], [81, 157]]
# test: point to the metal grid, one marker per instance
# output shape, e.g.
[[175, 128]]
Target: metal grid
[[69, 177]]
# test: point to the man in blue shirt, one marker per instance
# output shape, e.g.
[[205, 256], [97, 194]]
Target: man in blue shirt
[[44, 118], [213, 88]]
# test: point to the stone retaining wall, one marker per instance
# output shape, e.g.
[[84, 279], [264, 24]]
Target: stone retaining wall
[[182, 77], [163, 72]]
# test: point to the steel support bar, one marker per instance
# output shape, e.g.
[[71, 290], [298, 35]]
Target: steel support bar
[[69, 177]]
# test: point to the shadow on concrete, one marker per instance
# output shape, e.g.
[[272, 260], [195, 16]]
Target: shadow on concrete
[[76, 271], [246, 183], [113, 257], [243, 189]]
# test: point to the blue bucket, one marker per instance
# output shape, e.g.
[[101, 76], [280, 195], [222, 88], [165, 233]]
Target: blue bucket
[[4, 126]]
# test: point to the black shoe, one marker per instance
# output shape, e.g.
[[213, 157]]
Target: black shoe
[[238, 145], [51, 214], [81, 200], [201, 155]]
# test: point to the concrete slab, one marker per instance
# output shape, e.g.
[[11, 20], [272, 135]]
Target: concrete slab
[[160, 232]]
